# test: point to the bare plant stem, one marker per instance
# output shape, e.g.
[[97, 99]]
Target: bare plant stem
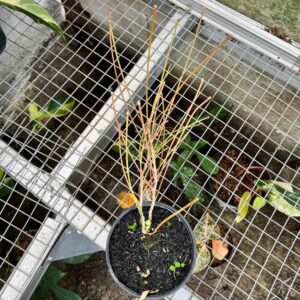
[[155, 146], [173, 215]]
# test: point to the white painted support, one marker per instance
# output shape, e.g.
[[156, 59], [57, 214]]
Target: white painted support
[[31, 260], [53, 194]]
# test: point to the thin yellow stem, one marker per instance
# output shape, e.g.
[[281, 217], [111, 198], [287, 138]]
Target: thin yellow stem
[[173, 215]]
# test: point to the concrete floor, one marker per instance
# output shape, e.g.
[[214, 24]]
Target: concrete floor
[[282, 14]]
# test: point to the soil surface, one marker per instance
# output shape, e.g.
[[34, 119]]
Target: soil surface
[[233, 180], [142, 262], [91, 280]]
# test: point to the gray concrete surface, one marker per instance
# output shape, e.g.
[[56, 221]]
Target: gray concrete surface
[[24, 41]]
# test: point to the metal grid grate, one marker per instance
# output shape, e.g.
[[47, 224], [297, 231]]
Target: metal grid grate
[[71, 167]]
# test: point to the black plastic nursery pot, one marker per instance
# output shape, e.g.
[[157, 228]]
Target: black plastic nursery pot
[[140, 262], [2, 40]]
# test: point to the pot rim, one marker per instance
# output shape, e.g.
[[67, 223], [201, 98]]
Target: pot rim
[[127, 289]]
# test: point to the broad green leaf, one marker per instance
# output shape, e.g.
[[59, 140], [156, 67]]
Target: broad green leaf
[[291, 198], [48, 284], [208, 164], [198, 144], [276, 199], [259, 202], [219, 111], [203, 259], [6, 187], [191, 189], [284, 185], [58, 107], [183, 157], [177, 264], [1, 173], [53, 274], [207, 229], [64, 294], [186, 143], [243, 207], [35, 12], [76, 259]]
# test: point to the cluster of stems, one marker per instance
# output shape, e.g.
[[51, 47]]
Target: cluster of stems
[[154, 144]]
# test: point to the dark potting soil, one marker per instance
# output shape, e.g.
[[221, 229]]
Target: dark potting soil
[[130, 252], [233, 180]]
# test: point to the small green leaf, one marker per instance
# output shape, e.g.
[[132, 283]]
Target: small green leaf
[[243, 207], [58, 107], [133, 226], [259, 202], [208, 164], [177, 264], [203, 259], [169, 224], [35, 12], [182, 265], [172, 268], [6, 187], [76, 259]]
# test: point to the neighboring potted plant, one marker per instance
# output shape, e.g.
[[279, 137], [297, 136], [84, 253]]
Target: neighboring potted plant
[[213, 243], [32, 10], [151, 249], [240, 184]]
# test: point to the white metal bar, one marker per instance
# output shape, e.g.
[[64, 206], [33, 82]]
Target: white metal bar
[[244, 29], [32, 259]]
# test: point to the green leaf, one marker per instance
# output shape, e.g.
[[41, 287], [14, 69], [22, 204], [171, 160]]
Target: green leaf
[[208, 164], [76, 259], [207, 229], [198, 144], [132, 226], [219, 111], [64, 294], [191, 189], [6, 187], [48, 284], [285, 201], [35, 12], [177, 264], [58, 108], [202, 260], [243, 207], [33, 112], [259, 202], [172, 268], [53, 274], [182, 265], [2, 173]]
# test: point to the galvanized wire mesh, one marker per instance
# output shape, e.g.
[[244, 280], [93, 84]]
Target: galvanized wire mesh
[[262, 127]]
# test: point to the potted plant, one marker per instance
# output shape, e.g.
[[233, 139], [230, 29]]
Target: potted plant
[[151, 249], [32, 10], [240, 184], [213, 243]]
